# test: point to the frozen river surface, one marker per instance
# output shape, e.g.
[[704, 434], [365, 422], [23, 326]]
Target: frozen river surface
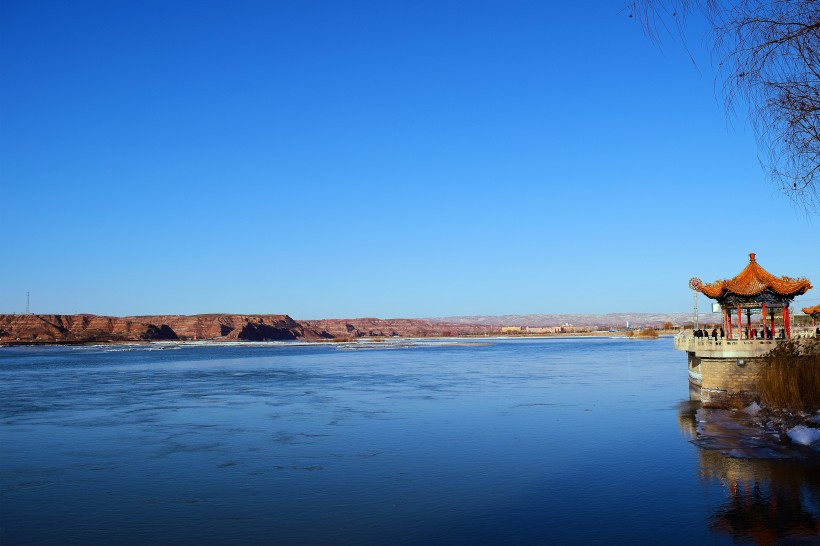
[[562, 441]]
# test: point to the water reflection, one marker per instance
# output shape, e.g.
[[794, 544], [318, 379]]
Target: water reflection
[[773, 490]]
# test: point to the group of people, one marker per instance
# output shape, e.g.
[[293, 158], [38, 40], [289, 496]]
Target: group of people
[[706, 334], [763, 333]]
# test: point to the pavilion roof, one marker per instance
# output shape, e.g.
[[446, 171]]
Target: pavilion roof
[[812, 310], [753, 281]]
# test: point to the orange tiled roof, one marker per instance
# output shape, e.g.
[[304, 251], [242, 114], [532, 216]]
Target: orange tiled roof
[[754, 280], [812, 310]]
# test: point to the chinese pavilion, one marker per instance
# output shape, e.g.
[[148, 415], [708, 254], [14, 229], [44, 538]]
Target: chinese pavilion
[[813, 312], [755, 290]]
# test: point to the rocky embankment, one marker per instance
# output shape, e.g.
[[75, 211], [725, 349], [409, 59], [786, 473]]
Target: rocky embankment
[[223, 327]]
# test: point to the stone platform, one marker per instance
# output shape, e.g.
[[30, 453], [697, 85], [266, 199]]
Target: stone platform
[[725, 368]]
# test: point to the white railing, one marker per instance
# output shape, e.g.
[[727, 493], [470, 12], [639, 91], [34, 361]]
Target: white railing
[[708, 341], [733, 348], [802, 333]]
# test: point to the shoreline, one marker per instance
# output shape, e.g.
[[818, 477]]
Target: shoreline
[[371, 339]]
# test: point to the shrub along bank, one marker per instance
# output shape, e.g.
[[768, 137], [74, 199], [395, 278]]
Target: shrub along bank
[[790, 378]]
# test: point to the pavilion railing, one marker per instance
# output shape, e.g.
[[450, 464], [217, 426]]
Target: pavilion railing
[[734, 338], [726, 341], [800, 333]]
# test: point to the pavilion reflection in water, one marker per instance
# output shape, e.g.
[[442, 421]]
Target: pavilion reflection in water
[[770, 500]]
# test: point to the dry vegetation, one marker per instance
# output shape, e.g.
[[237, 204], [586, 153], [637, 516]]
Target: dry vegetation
[[646, 332], [790, 378]]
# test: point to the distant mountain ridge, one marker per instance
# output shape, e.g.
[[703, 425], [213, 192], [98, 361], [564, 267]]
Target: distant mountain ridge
[[608, 320]]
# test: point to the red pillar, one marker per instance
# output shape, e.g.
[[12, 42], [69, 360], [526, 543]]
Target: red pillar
[[763, 318], [739, 323], [725, 329], [729, 324], [786, 322]]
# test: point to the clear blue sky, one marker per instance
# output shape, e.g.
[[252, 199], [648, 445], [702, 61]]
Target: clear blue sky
[[370, 158]]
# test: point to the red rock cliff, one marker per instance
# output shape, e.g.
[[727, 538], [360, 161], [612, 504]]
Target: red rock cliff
[[87, 328]]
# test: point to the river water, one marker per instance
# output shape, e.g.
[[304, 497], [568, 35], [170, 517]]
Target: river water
[[559, 441]]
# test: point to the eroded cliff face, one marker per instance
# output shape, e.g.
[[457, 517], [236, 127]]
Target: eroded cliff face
[[230, 327], [91, 328], [78, 328]]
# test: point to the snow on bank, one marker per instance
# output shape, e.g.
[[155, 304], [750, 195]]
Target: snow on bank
[[753, 409], [804, 435]]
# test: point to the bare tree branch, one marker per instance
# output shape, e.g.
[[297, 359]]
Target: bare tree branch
[[767, 55]]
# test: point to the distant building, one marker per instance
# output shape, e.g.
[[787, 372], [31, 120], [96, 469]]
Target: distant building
[[534, 330]]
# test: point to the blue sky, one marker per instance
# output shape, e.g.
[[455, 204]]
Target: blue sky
[[388, 159]]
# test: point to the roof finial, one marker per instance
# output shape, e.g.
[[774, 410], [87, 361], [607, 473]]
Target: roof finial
[[751, 257]]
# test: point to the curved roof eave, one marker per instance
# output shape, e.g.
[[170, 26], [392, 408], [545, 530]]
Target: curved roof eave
[[754, 281]]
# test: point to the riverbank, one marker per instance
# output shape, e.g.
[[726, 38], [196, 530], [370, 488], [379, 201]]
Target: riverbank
[[377, 339]]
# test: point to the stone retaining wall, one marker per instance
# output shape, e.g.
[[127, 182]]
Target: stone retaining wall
[[722, 378]]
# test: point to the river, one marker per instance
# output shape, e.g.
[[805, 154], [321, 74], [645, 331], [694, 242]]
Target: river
[[490, 441]]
